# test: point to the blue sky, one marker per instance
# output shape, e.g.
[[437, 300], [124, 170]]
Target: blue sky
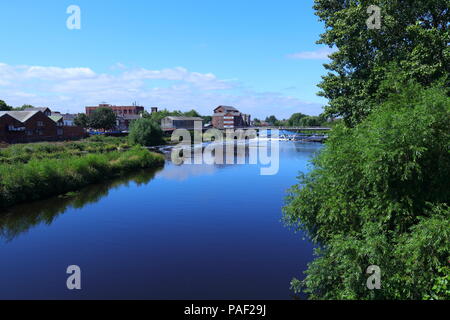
[[259, 56]]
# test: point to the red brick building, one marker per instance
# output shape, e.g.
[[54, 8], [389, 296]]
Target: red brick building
[[226, 117], [33, 126], [118, 110]]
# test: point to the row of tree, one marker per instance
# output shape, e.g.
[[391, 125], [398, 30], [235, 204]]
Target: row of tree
[[5, 107], [296, 120]]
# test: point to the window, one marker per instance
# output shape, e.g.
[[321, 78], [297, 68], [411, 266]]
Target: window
[[29, 132], [59, 132], [40, 124]]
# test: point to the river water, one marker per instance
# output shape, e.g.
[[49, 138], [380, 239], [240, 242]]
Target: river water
[[179, 232]]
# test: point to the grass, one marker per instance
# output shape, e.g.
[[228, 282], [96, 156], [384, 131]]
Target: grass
[[45, 150], [36, 171]]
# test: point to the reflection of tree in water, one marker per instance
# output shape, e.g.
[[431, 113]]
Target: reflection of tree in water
[[21, 218]]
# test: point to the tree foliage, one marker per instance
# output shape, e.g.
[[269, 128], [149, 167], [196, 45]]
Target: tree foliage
[[4, 106], [145, 132], [414, 37], [303, 120], [82, 120], [378, 195], [102, 118]]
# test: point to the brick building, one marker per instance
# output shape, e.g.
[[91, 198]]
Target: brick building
[[226, 117], [118, 110], [34, 125]]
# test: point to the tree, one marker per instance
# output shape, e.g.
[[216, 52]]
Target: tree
[[192, 113], [158, 116], [4, 106], [82, 120], [310, 121], [207, 119], [414, 38], [295, 119], [145, 132], [272, 120], [102, 118], [378, 195]]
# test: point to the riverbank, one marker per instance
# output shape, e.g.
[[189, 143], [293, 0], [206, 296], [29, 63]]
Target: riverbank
[[35, 171]]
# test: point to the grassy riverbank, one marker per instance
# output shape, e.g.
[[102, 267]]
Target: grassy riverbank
[[35, 171], [22, 153]]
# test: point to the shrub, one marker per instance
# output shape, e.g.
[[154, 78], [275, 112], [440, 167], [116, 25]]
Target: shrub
[[145, 132], [379, 195]]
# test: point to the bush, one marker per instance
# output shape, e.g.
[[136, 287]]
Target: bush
[[145, 132], [379, 195]]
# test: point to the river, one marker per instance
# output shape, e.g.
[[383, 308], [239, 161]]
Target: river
[[179, 232]]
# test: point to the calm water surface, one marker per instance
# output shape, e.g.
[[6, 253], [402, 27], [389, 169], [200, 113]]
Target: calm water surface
[[181, 232]]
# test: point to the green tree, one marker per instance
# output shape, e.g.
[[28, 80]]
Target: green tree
[[192, 113], [4, 106], [310, 121], [272, 120], [378, 195], [158, 116], [207, 119], [82, 120], [145, 132], [102, 118], [414, 38], [294, 120]]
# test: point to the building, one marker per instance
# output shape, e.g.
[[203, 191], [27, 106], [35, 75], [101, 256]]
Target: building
[[118, 110], [69, 119], [226, 117], [44, 110], [172, 123], [123, 122], [34, 125]]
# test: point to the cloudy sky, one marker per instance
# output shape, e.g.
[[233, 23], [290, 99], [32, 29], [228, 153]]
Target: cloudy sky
[[259, 56]]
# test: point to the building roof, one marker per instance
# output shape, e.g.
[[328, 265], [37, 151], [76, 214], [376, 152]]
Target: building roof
[[222, 114], [22, 116], [227, 108], [69, 116], [43, 109], [184, 118]]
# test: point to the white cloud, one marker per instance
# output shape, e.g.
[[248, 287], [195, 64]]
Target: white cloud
[[71, 89], [320, 54]]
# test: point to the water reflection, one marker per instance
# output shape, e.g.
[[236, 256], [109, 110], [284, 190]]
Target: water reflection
[[19, 219]]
